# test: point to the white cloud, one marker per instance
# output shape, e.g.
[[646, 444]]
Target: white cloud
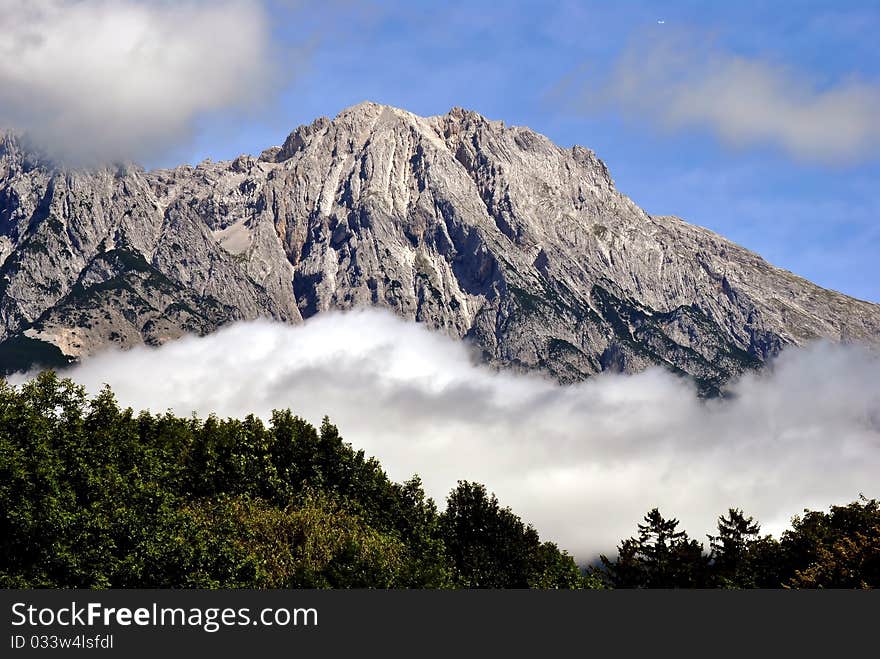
[[680, 84], [94, 80], [583, 463]]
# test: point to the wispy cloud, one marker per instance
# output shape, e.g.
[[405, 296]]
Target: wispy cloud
[[679, 82], [582, 463], [95, 80]]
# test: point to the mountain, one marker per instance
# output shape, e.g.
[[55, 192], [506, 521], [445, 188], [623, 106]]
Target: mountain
[[487, 232]]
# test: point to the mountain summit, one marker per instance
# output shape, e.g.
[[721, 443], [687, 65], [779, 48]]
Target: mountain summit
[[487, 232]]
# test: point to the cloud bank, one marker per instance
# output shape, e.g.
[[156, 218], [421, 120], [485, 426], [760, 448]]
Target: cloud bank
[[582, 463], [679, 84], [98, 80]]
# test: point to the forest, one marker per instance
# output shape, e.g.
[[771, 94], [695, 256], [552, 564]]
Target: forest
[[94, 495]]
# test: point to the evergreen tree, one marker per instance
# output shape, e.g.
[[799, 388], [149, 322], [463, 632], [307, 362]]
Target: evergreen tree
[[732, 550], [490, 547], [660, 557]]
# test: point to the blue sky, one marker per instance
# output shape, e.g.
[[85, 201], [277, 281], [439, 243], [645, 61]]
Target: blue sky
[[548, 65]]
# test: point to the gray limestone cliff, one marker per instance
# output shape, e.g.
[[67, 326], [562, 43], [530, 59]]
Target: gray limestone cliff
[[485, 232]]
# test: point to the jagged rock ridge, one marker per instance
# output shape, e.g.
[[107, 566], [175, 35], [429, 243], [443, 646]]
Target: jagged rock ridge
[[486, 232]]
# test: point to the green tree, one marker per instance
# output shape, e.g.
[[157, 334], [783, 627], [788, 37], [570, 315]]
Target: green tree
[[93, 495], [660, 557], [837, 549], [741, 557], [490, 547]]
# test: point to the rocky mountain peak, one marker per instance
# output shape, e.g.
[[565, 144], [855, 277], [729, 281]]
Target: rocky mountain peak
[[487, 232], [298, 138], [17, 155]]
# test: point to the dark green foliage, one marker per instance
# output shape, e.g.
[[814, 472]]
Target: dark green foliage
[[95, 496], [490, 546], [741, 557], [20, 353], [838, 549], [660, 557]]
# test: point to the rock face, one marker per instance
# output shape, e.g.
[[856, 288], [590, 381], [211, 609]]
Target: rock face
[[486, 232]]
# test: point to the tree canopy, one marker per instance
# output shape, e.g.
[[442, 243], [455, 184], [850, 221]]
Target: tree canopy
[[94, 495], [837, 549]]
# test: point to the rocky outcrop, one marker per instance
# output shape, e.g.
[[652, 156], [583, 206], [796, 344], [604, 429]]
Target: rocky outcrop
[[486, 232]]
